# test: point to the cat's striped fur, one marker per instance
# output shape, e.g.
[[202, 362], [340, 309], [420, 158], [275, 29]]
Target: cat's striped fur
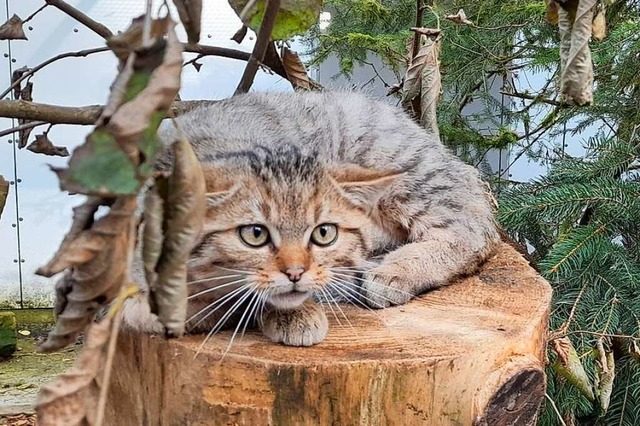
[[410, 215]]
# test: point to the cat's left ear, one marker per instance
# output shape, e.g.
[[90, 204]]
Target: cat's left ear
[[363, 187]]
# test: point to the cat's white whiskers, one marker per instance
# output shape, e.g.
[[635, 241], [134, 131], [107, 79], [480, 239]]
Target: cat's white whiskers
[[232, 270], [214, 278], [374, 283], [209, 290], [221, 322], [357, 289], [248, 309], [335, 302], [328, 302], [220, 302], [261, 296], [351, 295]]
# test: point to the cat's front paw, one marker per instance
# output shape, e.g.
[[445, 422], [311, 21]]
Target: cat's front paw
[[303, 326], [381, 288]]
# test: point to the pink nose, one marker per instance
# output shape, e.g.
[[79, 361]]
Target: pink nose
[[294, 274]]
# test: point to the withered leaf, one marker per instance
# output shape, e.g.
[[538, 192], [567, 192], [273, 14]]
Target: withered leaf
[[576, 68], [4, 193], [43, 145], [118, 157], [26, 94], [431, 85], [131, 40], [552, 12], [295, 69], [459, 18], [72, 398], [182, 216], [599, 25], [197, 65], [606, 373], [568, 365], [240, 34], [95, 252], [413, 78], [12, 29], [190, 12]]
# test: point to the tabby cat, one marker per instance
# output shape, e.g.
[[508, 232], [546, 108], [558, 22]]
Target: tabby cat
[[323, 197]]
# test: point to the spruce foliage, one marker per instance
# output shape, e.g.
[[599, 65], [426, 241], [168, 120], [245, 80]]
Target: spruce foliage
[[581, 220]]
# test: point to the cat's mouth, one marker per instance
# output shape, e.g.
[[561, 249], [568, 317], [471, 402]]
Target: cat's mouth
[[289, 299]]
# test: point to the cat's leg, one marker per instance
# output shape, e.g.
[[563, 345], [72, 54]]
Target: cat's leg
[[434, 261], [305, 325]]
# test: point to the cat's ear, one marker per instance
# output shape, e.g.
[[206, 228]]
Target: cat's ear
[[363, 187], [219, 183]]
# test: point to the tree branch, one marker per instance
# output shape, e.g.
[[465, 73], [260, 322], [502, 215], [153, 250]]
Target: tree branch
[[416, 36], [260, 48], [85, 20], [31, 71], [26, 126], [85, 115], [535, 99]]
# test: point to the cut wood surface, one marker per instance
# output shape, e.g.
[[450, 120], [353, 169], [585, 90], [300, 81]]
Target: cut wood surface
[[471, 353]]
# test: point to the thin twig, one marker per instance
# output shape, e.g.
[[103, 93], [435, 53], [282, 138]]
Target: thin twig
[[82, 18], [25, 126], [535, 99], [31, 71], [30, 17], [555, 408], [260, 48]]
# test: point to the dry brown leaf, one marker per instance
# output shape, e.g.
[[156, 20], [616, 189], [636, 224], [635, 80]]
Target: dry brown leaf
[[552, 12], [133, 118], [26, 94], [459, 18], [606, 373], [131, 40], [576, 69], [72, 398], [96, 254], [599, 25], [413, 79], [431, 86], [4, 193], [12, 29], [570, 367], [182, 217], [43, 145], [295, 69], [190, 12], [240, 34]]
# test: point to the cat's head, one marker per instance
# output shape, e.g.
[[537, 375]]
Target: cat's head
[[281, 223]]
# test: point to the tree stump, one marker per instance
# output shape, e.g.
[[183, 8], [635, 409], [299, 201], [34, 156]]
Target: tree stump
[[471, 353]]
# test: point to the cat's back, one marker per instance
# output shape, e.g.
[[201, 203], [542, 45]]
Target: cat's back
[[340, 127]]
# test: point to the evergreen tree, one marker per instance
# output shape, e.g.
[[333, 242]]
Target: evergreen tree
[[580, 221]]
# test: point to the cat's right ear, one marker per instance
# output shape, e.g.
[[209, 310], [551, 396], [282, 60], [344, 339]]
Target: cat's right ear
[[219, 183]]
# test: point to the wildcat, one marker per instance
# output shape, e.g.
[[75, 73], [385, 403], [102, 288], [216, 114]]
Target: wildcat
[[324, 196]]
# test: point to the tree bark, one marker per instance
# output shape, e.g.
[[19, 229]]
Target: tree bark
[[471, 353]]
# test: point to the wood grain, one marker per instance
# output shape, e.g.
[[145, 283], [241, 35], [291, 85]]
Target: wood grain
[[468, 354]]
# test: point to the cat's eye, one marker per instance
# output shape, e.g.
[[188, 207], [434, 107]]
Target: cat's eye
[[254, 235], [325, 234]]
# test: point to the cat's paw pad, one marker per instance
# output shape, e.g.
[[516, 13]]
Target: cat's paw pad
[[381, 290], [305, 326]]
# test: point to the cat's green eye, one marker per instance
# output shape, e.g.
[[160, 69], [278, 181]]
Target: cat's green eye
[[325, 234], [254, 235]]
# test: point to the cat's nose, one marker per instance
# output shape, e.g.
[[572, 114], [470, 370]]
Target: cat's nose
[[294, 274]]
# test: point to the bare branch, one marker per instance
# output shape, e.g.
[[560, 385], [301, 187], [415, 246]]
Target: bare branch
[[79, 16], [31, 71], [85, 115], [535, 99], [25, 126], [260, 48], [30, 17]]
